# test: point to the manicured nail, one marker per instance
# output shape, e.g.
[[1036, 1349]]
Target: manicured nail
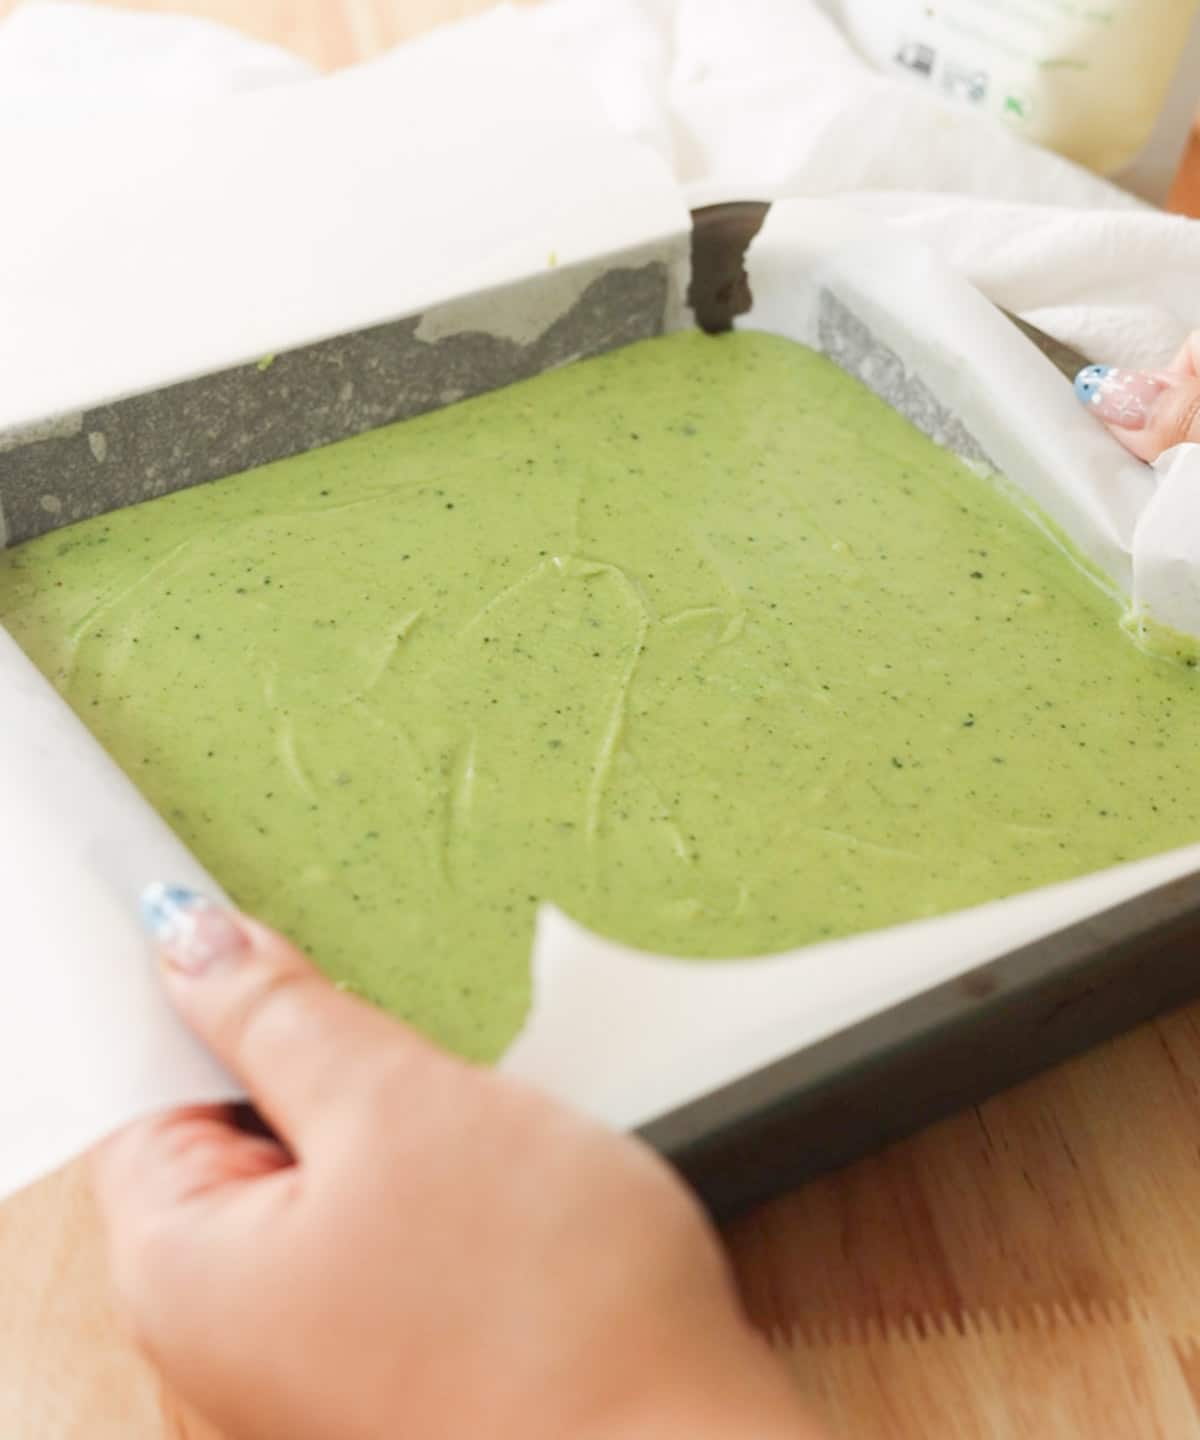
[[193, 932], [1125, 398]]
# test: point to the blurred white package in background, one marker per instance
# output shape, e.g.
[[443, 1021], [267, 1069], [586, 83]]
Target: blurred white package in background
[[1113, 87]]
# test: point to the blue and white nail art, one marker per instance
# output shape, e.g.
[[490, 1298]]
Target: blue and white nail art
[[169, 912], [1125, 398], [1089, 383]]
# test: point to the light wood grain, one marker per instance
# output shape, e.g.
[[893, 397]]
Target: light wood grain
[[329, 33], [1027, 1269]]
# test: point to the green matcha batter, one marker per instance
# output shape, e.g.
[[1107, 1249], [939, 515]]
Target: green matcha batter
[[697, 640]]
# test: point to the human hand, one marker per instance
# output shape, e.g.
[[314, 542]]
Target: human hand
[[429, 1249], [1148, 411]]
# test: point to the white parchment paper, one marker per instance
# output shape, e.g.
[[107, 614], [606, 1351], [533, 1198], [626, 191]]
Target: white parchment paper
[[85, 1038], [134, 253]]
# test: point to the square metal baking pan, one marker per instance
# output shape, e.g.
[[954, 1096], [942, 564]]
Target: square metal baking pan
[[829, 1102]]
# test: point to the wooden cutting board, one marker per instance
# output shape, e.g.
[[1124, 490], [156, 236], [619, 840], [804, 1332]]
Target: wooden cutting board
[[1026, 1269], [1030, 1268]]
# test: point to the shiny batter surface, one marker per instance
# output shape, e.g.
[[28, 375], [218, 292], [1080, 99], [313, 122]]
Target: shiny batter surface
[[698, 640]]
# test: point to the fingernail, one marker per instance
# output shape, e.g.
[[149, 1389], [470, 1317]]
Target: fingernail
[[1125, 398], [193, 932]]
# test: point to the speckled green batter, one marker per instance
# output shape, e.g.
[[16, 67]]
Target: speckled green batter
[[697, 640]]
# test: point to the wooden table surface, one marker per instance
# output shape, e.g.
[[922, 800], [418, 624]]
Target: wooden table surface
[[1030, 1268]]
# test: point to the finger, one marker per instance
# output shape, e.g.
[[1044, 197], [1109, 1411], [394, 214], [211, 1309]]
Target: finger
[[1149, 411], [167, 1159], [185, 1200], [1187, 362], [149, 1178], [299, 1045]]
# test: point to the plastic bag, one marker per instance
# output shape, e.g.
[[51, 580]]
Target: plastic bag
[[1114, 86]]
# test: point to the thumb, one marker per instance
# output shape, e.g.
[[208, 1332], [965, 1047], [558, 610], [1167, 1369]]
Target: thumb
[[176, 1190], [296, 1042], [1148, 411]]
